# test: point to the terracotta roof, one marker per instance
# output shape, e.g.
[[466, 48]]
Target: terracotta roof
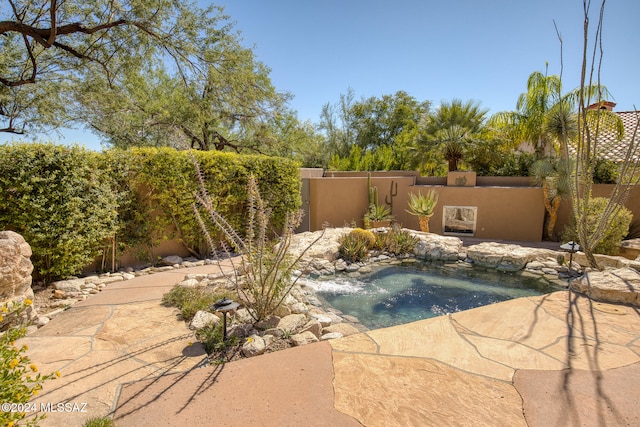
[[610, 148]]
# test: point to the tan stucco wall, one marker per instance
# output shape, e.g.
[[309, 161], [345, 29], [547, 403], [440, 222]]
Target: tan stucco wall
[[502, 212], [599, 190]]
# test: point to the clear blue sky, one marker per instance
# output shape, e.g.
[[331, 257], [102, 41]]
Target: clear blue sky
[[433, 50]]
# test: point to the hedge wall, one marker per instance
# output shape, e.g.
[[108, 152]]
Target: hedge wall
[[72, 205]]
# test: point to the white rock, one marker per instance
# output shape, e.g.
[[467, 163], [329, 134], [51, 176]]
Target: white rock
[[73, 285], [189, 283], [203, 319], [331, 336], [243, 316], [323, 319], [254, 346]]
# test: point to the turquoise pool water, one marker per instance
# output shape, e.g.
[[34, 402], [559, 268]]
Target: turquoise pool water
[[393, 295]]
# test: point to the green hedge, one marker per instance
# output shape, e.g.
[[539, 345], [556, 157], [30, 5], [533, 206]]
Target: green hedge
[[60, 200], [70, 204]]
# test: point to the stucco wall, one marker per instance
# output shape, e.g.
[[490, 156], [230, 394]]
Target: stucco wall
[[502, 212], [599, 190]]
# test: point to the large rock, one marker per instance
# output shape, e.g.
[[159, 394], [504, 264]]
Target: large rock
[[615, 286], [437, 248], [325, 248], [254, 346], [505, 257], [171, 260], [202, 319], [15, 272], [292, 322], [72, 285], [15, 266], [303, 338]]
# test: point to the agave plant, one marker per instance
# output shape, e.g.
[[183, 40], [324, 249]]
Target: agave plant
[[379, 213], [423, 207]]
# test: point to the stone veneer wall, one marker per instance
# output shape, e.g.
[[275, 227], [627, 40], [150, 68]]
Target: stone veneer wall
[[15, 271]]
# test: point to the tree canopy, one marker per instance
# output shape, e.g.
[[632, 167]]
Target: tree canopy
[[150, 73]]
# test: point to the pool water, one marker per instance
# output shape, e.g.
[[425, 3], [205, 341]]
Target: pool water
[[394, 295]]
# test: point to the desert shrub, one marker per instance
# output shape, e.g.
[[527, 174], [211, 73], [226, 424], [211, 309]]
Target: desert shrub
[[265, 261], [610, 243], [365, 235], [190, 300], [396, 241], [19, 378], [605, 172], [401, 241], [212, 339], [353, 247], [60, 200], [99, 422]]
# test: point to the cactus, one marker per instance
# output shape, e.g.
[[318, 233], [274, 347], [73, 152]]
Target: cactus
[[373, 196], [393, 192]]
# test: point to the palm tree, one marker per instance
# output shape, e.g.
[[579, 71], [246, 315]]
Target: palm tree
[[527, 123], [447, 132]]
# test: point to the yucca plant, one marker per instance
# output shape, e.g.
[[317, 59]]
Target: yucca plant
[[554, 179], [423, 207]]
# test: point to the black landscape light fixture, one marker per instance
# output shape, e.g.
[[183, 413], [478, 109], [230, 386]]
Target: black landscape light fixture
[[571, 247], [223, 306]]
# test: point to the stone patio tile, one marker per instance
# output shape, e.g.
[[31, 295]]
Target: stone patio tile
[[134, 323], [580, 398], [176, 351], [514, 355], [520, 320], [406, 391], [438, 339], [358, 343], [76, 321], [54, 353], [93, 379], [584, 355]]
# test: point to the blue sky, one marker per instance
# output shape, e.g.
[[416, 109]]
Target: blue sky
[[434, 50]]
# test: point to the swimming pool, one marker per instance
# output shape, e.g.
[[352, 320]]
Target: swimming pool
[[393, 295]]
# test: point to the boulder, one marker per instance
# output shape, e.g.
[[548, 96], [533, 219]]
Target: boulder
[[325, 248], [15, 265], [437, 248], [268, 323], [254, 346], [299, 308], [314, 327], [203, 319], [170, 260], [73, 285], [15, 272], [189, 283], [615, 286], [344, 328], [303, 338], [323, 319], [292, 322], [505, 257]]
